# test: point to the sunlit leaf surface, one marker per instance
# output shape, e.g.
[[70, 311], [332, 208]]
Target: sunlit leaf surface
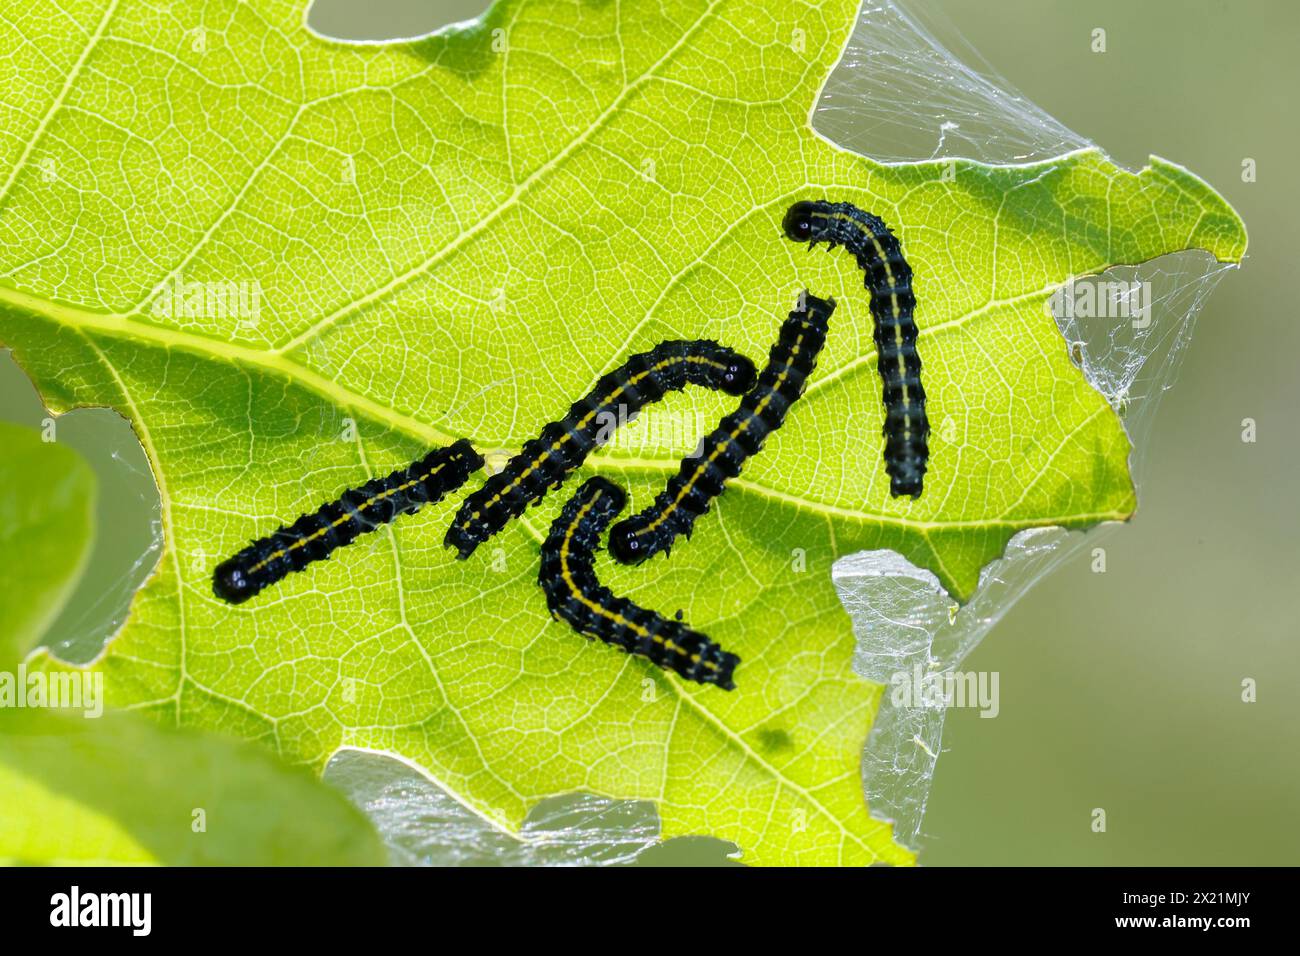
[[455, 237]]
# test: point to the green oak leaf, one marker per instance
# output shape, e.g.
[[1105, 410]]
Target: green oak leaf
[[455, 237], [47, 529], [119, 789]]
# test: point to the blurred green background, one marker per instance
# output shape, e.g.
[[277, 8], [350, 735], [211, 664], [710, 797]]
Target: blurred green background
[[1123, 690], [1119, 690]]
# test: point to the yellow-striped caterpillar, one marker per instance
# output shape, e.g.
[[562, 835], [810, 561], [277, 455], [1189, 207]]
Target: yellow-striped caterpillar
[[337, 523], [546, 461], [574, 594], [888, 278], [739, 435]]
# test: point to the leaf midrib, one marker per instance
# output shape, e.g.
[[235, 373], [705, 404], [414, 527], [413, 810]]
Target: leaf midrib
[[121, 327]]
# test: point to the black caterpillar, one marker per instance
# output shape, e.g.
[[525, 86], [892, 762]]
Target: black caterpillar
[[563, 446], [313, 536], [739, 435], [574, 595], [888, 278]]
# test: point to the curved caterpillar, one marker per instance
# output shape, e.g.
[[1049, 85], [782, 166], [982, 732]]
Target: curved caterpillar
[[358, 510], [563, 446], [888, 278], [737, 436], [575, 596]]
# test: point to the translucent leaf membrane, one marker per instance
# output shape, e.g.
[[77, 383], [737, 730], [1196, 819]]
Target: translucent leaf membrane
[[901, 94], [102, 603], [908, 88], [424, 826], [898, 95], [128, 524]]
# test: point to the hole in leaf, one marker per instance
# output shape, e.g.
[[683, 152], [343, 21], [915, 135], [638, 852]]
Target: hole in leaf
[[424, 825], [128, 517], [388, 19]]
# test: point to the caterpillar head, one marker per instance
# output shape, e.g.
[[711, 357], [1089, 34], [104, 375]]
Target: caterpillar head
[[739, 376], [231, 583], [626, 545], [798, 222]]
